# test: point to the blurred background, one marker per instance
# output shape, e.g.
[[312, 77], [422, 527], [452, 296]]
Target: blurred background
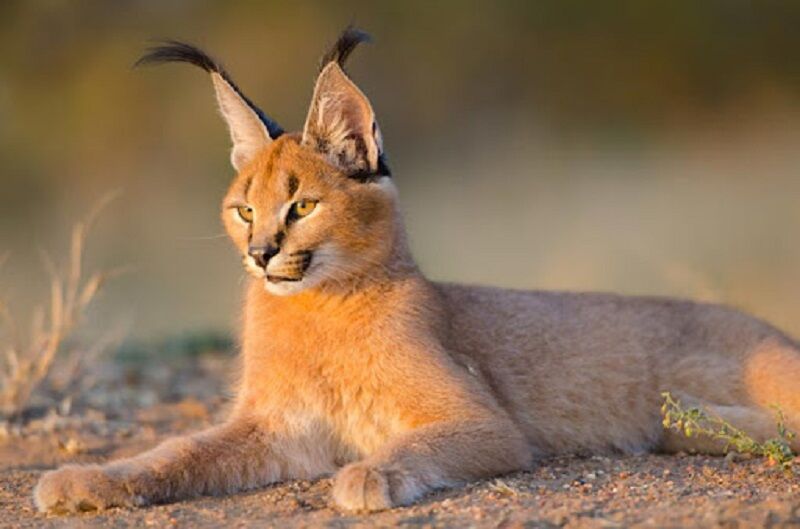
[[640, 147]]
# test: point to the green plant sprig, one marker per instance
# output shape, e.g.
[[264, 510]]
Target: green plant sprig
[[696, 421]]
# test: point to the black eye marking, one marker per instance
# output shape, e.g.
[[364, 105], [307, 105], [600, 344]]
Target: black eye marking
[[293, 184], [291, 216], [279, 237]]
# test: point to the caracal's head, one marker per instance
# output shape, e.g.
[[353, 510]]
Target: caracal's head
[[309, 209]]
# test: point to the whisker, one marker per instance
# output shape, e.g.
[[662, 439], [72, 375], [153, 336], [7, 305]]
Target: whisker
[[203, 238]]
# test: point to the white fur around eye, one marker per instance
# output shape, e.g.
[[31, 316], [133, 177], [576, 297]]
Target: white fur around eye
[[238, 218]]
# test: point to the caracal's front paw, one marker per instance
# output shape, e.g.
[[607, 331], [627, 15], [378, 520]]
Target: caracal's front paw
[[74, 488], [363, 487]]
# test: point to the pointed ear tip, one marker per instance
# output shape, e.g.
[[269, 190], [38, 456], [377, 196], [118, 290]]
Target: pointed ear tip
[[217, 78], [333, 65], [332, 69], [221, 84]]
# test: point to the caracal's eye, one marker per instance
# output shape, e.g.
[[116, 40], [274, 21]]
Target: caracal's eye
[[245, 213], [304, 207]]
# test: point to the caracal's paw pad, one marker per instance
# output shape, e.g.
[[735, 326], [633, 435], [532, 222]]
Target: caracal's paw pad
[[362, 487], [74, 488]]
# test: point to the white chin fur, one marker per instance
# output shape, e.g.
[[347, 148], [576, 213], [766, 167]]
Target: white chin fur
[[285, 288]]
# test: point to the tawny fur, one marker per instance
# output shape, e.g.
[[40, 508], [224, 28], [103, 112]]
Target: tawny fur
[[399, 386]]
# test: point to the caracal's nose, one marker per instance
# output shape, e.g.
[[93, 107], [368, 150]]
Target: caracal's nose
[[262, 254]]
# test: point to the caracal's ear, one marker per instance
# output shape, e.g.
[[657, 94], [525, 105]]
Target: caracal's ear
[[251, 130], [341, 123]]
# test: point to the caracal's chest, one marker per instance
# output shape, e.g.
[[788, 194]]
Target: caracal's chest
[[329, 380]]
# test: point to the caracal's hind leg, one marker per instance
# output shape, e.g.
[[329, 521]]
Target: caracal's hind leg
[[758, 423], [237, 455], [767, 380]]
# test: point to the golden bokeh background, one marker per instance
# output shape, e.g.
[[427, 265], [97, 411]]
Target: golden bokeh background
[[641, 147]]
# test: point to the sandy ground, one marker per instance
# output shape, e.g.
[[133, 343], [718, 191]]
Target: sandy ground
[[136, 407]]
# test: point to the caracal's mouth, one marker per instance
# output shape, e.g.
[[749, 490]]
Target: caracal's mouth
[[290, 269], [281, 279]]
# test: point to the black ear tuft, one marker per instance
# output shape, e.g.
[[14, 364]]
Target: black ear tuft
[[176, 51], [344, 46]]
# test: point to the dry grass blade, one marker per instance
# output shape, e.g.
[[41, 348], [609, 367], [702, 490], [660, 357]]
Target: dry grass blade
[[75, 263], [27, 367]]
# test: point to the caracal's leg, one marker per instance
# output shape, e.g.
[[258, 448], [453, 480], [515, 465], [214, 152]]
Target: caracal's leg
[[758, 423], [431, 457], [745, 394], [234, 456]]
